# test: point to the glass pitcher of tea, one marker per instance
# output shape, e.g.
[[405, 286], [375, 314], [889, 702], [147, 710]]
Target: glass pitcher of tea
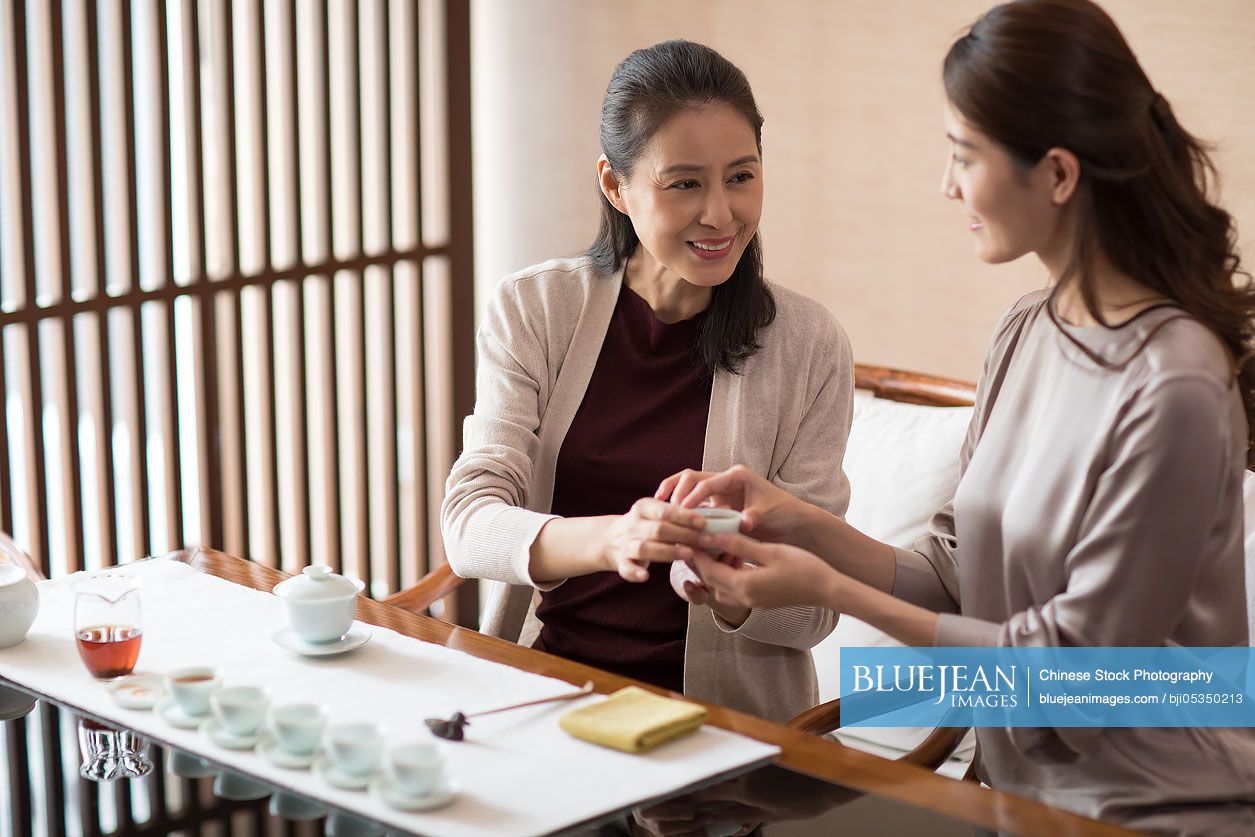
[[108, 624]]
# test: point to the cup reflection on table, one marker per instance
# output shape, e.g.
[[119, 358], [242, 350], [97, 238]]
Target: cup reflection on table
[[110, 754], [740, 805], [340, 824]]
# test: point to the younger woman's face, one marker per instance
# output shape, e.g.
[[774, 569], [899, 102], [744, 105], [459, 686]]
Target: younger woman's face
[[695, 195], [1009, 209]]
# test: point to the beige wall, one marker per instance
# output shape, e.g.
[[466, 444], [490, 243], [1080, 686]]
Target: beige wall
[[853, 143]]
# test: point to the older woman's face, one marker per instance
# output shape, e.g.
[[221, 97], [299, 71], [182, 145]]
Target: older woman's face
[[695, 196]]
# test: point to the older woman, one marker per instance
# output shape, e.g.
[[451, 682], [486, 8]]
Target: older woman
[[662, 348]]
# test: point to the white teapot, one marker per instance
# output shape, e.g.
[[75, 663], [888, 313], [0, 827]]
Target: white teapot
[[19, 597], [321, 605]]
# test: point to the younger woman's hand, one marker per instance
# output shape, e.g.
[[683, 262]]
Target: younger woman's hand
[[687, 584], [651, 532], [768, 513], [760, 575]]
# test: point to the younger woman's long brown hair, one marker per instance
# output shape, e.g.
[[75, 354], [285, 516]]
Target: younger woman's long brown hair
[[1042, 74]]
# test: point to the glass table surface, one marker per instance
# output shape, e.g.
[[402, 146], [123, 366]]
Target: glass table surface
[[64, 773]]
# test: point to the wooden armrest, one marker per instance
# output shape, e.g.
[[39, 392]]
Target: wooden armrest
[[819, 720], [932, 752], [914, 388], [433, 587]]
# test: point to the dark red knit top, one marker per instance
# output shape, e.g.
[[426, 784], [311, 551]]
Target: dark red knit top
[[642, 419]]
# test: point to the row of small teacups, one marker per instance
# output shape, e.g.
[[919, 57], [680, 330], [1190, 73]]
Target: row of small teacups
[[355, 750]]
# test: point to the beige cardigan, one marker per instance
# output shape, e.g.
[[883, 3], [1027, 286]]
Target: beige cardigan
[[786, 415]]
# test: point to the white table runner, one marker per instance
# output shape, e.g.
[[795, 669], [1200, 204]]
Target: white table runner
[[520, 774]]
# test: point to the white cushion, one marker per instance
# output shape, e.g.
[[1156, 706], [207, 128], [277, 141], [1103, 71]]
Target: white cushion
[[903, 464]]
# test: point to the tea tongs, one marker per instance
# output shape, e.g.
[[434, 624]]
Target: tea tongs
[[452, 728]]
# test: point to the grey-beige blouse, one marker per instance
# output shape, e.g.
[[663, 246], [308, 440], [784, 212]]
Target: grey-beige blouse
[[1101, 505]]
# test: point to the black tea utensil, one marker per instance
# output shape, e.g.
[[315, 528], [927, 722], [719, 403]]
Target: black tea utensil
[[451, 729]]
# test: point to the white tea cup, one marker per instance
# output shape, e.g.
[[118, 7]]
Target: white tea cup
[[415, 769], [298, 727], [191, 688], [240, 709], [720, 522], [355, 748]]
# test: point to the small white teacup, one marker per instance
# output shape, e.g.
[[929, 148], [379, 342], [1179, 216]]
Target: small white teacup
[[719, 522], [298, 727], [415, 769], [240, 709], [355, 748], [191, 687]]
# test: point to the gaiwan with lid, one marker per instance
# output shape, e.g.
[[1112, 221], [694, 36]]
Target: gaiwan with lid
[[19, 597], [320, 604]]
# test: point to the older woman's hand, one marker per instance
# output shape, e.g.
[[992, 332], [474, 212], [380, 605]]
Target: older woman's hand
[[767, 512], [757, 575], [650, 532]]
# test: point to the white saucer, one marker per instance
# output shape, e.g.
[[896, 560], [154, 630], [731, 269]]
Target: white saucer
[[327, 769], [174, 715], [269, 749], [355, 638], [218, 735], [442, 795], [137, 691]]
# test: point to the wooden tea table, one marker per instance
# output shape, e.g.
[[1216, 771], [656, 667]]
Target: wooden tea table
[[817, 786]]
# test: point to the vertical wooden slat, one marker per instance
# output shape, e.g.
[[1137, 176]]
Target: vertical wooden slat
[[5, 472], [106, 478], [461, 313], [16, 746], [122, 803], [331, 390], [71, 482], [190, 793], [170, 433], [6, 492], [299, 383], [363, 547], [156, 786], [268, 315], [234, 298], [212, 528], [89, 808], [139, 430], [392, 478], [379, 303], [410, 236], [37, 505], [54, 781]]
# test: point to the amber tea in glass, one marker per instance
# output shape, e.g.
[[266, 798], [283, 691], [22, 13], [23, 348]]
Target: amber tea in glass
[[109, 650], [108, 624]]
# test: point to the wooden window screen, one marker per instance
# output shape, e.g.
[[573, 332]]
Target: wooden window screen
[[235, 279], [235, 310]]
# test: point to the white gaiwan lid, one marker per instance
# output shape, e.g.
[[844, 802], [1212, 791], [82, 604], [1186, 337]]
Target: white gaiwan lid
[[317, 583], [11, 574]]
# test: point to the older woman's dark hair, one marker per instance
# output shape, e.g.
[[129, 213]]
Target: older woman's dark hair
[[649, 87], [1042, 74]]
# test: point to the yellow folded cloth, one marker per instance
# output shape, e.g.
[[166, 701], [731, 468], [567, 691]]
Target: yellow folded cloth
[[633, 720]]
